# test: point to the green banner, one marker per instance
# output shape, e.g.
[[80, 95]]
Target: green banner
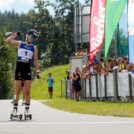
[[114, 9]]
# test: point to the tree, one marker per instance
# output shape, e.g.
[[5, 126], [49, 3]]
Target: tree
[[55, 43], [64, 11], [7, 58]]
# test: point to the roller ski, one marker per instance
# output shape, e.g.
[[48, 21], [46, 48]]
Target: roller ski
[[27, 115], [15, 115]]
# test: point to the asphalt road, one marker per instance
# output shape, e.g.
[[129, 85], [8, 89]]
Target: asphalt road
[[47, 120]]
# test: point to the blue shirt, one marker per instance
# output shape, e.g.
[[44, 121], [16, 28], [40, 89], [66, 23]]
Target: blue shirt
[[50, 81]]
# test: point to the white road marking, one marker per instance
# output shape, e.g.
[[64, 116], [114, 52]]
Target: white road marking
[[61, 123]]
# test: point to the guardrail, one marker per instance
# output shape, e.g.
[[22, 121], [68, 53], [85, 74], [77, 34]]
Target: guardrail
[[116, 86]]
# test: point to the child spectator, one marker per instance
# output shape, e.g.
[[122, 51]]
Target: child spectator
[[50, 81]]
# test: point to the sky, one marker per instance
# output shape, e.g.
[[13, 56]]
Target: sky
[[20, 5]]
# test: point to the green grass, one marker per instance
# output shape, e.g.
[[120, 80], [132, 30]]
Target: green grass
[[40, 92], [40, 87], [120, 109]]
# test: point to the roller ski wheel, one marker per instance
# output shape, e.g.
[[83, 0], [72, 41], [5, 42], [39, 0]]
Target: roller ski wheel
[[30, 116], [27, 116], [20, 117], [12, 116]]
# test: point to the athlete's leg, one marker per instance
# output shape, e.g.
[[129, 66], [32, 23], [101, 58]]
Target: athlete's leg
[[17, 85], [27, 86], [23, 92]]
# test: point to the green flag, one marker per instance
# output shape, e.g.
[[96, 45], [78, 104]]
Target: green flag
[[114, 9]]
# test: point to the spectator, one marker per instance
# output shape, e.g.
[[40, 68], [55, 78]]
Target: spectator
[[115, 65], [68, 84], [101, 62], [95, 60], [129, 67], [77, 85], [68, 74], [110, 65], [72, 89], [104, 70], [125, 59], [90, 70], [50, 81], [85, 72], [96, 68], [120, 64]]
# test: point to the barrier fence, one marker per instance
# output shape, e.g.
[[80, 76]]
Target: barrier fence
[[113, 87]]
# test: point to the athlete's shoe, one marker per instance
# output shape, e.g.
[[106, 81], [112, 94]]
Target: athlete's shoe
[[15, 111]]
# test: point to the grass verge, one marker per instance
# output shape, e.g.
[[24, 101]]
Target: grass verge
[[120, 109]]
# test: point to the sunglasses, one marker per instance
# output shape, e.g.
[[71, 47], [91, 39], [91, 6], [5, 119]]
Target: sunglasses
[[32, 36]]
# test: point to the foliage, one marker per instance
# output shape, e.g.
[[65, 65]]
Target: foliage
[[7, 58], [122, 45], [55, 43], [64, 11]]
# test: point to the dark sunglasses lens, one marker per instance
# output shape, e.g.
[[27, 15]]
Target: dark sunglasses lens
[[32, 36]]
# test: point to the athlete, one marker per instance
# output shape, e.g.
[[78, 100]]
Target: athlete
[[26, 51]]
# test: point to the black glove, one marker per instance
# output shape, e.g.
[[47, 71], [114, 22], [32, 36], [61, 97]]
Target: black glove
[[18, 33], [38, 74]]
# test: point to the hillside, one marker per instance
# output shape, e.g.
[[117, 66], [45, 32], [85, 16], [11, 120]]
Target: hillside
[[39, 89]]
